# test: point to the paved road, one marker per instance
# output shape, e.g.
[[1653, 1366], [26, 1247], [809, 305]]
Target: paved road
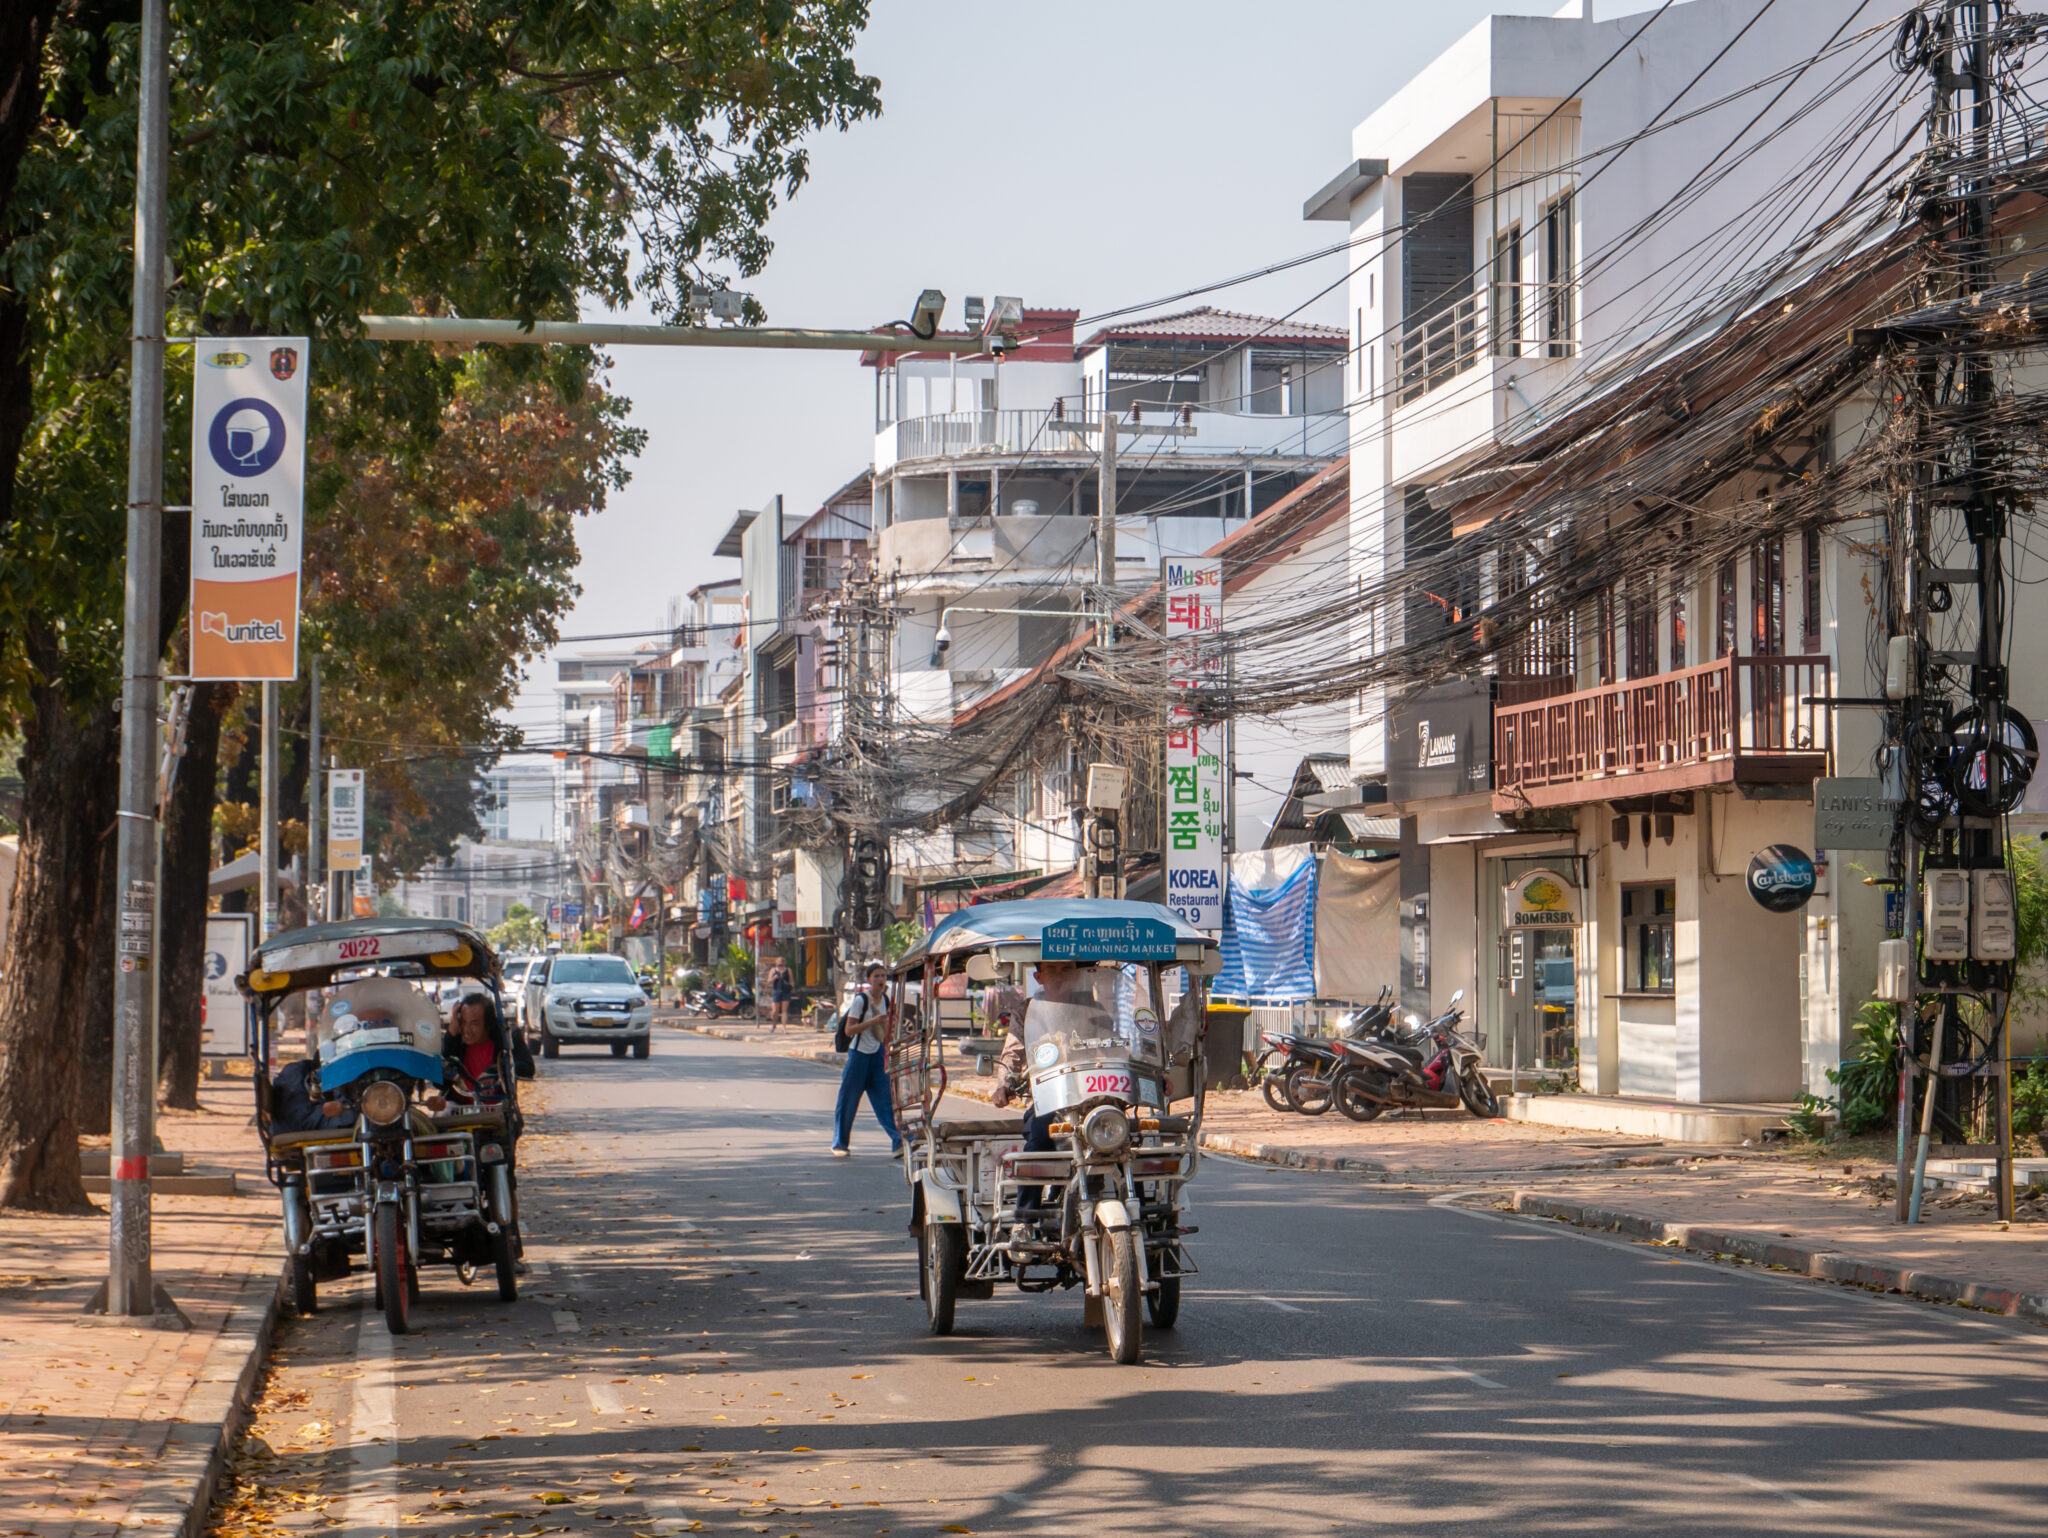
[[722, 1335]]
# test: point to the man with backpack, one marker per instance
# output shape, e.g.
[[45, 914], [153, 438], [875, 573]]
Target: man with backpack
[[865, 1026]]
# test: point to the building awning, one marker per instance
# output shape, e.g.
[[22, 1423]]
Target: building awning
[[1333, 199]]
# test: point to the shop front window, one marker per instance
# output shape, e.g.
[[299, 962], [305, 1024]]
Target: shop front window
[[1649, 933]]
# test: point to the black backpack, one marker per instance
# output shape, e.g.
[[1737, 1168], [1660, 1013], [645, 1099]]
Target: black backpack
[[841, 1040]]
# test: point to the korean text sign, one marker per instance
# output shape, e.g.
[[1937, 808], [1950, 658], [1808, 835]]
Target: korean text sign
[[1193, 590], [248, 502]]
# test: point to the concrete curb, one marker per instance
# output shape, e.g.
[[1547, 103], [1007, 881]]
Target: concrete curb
[[1782, 1255], [1301, 1159], [181, 1489], [828, 1056]]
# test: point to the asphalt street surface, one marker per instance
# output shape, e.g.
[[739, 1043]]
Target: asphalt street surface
[[722, 1334]]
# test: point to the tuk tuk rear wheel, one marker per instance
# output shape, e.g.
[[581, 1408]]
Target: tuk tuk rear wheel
[[1122, 1313], [942, 1248], [502, 1254], [1163, 1302], [394, 1284], [305, 1285]]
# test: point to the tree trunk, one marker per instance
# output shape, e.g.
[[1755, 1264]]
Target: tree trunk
[[95, 1109], [69, 771], [188, 858]]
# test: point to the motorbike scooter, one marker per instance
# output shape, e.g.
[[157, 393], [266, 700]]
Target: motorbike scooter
[[1309, 1079], [1432, 1067], [720, 1002]]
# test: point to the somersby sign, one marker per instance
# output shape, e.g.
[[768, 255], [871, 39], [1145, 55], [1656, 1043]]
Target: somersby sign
[[248, 502]]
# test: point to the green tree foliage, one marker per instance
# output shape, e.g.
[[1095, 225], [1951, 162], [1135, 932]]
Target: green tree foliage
[[521, 931], [507, 158]]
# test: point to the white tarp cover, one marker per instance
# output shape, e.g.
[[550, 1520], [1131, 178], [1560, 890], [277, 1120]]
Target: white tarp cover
[[1358, 927]]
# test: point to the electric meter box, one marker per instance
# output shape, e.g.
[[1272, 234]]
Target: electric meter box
[[1895, 978], [1945, 917], [1994, 925]]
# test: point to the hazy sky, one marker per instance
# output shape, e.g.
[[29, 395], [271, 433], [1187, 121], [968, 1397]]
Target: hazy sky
[[1093, 155]]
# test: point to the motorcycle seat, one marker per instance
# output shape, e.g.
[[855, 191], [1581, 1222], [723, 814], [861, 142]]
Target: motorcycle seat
[[970, 1128], [286, 1142]]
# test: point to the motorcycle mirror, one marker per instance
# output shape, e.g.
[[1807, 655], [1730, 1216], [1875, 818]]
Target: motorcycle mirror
[[1458, 998], [981, 967], [1411, 1018]]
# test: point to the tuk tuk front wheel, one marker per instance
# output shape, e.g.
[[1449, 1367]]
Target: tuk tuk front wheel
[[943, 1250], [394, 1283], [1122, 1313]]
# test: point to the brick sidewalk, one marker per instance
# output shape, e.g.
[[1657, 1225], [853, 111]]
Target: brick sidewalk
[[104, 1426]]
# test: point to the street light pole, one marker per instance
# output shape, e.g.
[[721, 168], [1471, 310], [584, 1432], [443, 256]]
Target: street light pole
[[130, 1288], [314, 912]]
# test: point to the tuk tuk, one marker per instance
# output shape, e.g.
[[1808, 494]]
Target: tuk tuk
[[400, 1165], [1113, 1072]]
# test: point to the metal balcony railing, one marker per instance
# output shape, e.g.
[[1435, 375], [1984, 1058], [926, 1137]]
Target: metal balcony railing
[[1740, 718], [1439, 347]]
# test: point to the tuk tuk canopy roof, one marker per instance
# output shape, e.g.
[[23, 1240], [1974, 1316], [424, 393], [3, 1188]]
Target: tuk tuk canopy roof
[[1021, 925], [309, 957]]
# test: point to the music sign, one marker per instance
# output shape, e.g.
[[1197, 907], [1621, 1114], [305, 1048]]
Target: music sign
[[1194, 749], [248, 498]]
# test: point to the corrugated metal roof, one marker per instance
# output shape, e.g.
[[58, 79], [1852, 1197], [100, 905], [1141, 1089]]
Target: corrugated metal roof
[[1332, 770], [1367, 828], [1211, 324]]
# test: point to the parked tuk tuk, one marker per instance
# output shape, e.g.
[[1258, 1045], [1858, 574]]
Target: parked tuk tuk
[[1116, 1073], [408, 1161]]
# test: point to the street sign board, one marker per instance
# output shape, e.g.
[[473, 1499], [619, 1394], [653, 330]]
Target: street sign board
[[1194, 748], [1119, 939], [1853, 814], [344, 819], [223, 1012], [248, 498]]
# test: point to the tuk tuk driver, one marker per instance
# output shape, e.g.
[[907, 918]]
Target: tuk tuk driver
[[1059, 982]]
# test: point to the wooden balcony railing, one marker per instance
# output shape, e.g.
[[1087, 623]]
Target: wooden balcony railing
[[1738, 719]]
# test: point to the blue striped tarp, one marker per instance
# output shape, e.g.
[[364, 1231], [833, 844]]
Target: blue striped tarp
[[1269, 939]]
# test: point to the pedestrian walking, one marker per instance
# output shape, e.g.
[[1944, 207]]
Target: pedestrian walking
[[867, 1027], [781, 989]]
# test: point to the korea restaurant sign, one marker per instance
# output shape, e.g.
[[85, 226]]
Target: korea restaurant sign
[[1440, 742], [248, 502], [1193, 590]]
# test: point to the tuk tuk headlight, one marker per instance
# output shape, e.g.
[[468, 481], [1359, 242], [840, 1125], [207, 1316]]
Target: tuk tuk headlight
[[383, 1102], [1106, 1131]]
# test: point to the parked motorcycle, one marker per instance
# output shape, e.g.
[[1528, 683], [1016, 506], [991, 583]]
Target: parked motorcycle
[[1430, 1066], [1299, 1073], [719, 1002]]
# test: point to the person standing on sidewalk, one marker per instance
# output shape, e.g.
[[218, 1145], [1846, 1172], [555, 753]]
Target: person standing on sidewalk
[[868, 1025], [781, 988]]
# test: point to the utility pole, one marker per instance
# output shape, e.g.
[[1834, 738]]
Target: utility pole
[[1963, 773], [131, 1289], [315, 910], [266, 836], [1105, 504]]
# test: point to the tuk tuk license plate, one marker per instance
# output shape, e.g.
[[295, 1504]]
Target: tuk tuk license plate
[[1106, 1081]]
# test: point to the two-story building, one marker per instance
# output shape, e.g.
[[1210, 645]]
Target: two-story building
[[1613, 642]]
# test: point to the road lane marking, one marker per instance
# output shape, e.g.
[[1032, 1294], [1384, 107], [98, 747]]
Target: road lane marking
[[1285, 1308], [1784, 1495], [604, 1399], [1460, 1372], [373, 1434], [566, 1322]]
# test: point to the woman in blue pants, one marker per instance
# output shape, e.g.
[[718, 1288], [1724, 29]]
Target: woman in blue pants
[[867, 1064]]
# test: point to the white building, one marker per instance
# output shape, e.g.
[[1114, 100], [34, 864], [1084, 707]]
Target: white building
[[1536, 206]]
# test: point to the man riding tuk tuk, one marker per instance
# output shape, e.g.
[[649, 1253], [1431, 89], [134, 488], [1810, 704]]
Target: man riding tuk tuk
[[1094, 1009], [378, 1143]]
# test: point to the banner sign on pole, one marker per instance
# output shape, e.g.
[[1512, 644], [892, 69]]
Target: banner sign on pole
[[248, 498], [344, 819], [1194, 751]]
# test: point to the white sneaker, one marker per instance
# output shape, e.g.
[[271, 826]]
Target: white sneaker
[[841, 1153]]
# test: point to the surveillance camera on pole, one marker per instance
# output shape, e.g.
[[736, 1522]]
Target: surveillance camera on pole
[[925, 317], [941, 643]]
